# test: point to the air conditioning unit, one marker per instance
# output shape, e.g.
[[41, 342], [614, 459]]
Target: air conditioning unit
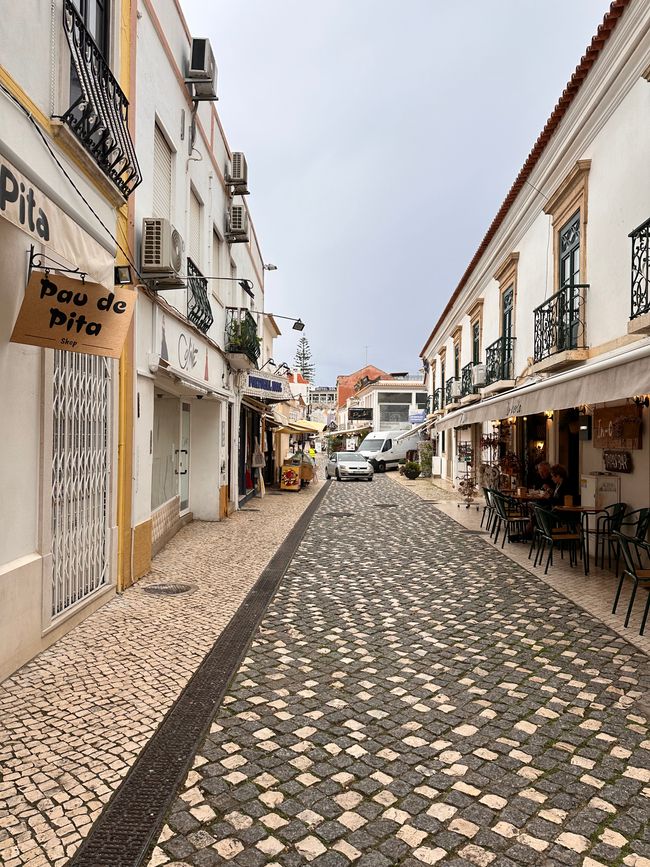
[[162, 250], [237, 224], [478, 375], [238, 174], [202, 71], [455, 388]]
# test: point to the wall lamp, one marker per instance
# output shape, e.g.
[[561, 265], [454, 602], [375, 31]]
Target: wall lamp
[[270, 267], [122, 275], [642, 400], [548, 413], [268, 361], [283, 366], [298, 324]]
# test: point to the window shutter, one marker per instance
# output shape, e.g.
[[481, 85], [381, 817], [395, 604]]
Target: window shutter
[[162, 176], [195, 230]]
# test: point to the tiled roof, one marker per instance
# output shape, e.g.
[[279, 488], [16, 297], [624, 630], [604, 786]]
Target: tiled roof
[[568, 95]]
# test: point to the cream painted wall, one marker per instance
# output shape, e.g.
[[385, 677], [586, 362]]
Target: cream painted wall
[[20, 394]]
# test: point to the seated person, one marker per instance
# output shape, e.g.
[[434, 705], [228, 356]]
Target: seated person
[[560, 479], [544, 481]]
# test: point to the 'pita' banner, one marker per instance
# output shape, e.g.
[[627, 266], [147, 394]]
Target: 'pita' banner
[[61, 313]]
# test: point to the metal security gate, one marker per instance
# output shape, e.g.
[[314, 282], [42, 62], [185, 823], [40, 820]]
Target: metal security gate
[[80, 477]]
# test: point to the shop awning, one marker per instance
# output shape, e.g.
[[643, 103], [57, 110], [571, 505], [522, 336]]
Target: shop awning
[[292, 427], [615, 378], [424, 426], [348, 431], [308, 426]]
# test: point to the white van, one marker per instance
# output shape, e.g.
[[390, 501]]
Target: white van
[[384, 450]]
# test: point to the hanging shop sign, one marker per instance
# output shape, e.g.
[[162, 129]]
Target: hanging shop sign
[[24, 205], [61, 313], [617, 427], [617, 462], [266, 386], [359, 414], [417, 417]]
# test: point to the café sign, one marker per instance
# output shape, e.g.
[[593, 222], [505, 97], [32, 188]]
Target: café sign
[[61, 313]]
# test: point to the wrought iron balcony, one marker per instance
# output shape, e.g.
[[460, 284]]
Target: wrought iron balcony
[[640, 270], [452, 389], [241, 334], [438, 399], [467, 387], [99, 114], [558, 322], [198, 305], [499, 360]]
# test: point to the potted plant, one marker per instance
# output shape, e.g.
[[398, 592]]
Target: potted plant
[[411, 469]]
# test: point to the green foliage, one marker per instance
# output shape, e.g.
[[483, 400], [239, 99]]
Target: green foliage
[[302, 361], [425, 451], [411, 469]]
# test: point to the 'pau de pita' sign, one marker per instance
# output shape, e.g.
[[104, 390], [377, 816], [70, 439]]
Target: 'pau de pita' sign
[[62, 313]]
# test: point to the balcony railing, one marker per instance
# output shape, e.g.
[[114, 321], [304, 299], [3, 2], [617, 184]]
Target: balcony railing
[[438, 399], [198, 305], [452, 389], [640, 270], [558, 322], [499, 360], [466, 385], [241, 333], [99, 115]]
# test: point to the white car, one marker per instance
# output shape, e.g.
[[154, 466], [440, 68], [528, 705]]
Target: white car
[[348, 465]]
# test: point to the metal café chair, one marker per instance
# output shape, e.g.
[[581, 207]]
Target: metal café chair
[[640, 577], [488, 510], [635, 526], [608, 522], [506, 518], [549, 532]]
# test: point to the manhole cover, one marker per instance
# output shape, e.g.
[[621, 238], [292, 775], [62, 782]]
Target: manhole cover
[[250, 510], [474, 532], [386, 505], [339, 514], [168, 589]]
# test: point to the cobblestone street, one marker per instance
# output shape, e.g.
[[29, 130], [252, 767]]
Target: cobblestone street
[[415, 697], [73, 721]]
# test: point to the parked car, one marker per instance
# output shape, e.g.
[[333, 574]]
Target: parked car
[[384, 449], [348, 465]]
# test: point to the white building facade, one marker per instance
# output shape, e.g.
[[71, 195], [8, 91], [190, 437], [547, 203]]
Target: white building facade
[[390, 404], [200, 324], [542, 351], [63, 204]]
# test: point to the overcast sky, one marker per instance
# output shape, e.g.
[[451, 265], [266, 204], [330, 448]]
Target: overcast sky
[[381, 138]]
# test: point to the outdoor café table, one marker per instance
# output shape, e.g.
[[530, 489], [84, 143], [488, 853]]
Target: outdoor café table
[[584, 512]]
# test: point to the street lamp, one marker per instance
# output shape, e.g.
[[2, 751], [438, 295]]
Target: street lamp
[[298, 324]]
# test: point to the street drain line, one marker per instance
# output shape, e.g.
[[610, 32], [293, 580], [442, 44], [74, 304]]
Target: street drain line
[[129, 826]]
